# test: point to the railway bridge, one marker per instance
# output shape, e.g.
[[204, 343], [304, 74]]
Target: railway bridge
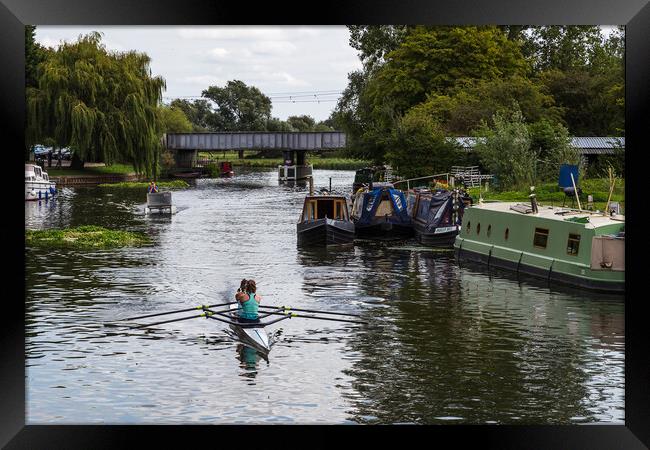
[[294, 146]]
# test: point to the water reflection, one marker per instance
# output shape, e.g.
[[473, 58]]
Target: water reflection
[[447, 342]]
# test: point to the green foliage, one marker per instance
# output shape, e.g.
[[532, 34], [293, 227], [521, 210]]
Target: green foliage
[[301, 123], [552, 146], [102, 104], [174, 120], [505, 150], [85, 237], [197, 112], [463, 108], [418, 147], [238, 107]]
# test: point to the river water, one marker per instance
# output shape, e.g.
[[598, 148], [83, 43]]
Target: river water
[[447, 343]]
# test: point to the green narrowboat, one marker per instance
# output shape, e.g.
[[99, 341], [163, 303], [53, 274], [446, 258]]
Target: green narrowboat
[[568, 246]]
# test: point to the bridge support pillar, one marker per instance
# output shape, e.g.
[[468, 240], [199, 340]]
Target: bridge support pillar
[[294, 167]]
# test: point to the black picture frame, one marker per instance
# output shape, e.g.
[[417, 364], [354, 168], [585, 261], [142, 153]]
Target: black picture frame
[[14, 14]]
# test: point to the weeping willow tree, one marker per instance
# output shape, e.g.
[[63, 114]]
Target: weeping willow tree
[[104, 105]]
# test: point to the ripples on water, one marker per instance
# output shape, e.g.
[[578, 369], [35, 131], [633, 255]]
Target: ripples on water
[[448, 343]]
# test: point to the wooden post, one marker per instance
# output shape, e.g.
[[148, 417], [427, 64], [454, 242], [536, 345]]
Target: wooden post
[[575, 191]]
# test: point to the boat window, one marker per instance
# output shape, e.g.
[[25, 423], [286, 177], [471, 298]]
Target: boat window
[[478, 228], [469, 226], [507, 233], [310, 210], [541, 237], [489, 230], [573, 244], [338, 210], [325, 209]]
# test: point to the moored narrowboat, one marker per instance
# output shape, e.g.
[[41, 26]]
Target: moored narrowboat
[[381, 212], [325, 220], [437, 215], [562, 245]]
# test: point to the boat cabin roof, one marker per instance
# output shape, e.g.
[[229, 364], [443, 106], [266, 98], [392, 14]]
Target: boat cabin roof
[[552, 213], [325, 197]]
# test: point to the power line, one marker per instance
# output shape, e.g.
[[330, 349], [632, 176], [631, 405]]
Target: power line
[[276, 95]]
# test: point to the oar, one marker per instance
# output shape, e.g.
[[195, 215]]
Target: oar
[[288, 308], [207, 313], [321, 318], [178, 311]]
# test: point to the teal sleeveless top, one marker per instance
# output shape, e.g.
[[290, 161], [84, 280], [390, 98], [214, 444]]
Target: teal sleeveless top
[[248, 309]]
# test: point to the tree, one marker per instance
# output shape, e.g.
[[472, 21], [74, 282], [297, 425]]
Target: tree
[[375, 41], [505, 150], [552, 146], [302, 123], [238, 107], [174, 120], [197, 112], [418, 147], [102, 104], [277, 125], [464, 108]]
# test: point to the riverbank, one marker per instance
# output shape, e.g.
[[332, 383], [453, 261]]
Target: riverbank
[[319, 162], [84, 237], [550, 193]]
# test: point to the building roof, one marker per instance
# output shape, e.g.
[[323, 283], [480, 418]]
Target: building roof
[[589, 145]]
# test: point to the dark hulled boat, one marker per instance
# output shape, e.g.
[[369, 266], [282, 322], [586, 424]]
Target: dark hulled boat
[[325, 220], [437, 215], [381, 212]]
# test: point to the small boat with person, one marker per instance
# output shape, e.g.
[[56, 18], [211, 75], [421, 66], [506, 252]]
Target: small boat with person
[[381, 212], [37, 183], [324, 220], [253, 335]]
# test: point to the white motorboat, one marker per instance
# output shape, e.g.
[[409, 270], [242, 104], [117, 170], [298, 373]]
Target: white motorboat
[[37, 183]]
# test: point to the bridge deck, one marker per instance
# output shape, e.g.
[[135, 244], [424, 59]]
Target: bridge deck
[[319, 140]]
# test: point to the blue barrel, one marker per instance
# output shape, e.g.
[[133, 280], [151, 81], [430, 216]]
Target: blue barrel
[[565, 175]]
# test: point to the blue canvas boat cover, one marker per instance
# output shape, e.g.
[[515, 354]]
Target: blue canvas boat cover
[[372, 200], [436, 210]]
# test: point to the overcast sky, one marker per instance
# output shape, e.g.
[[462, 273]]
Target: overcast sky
[[308, 63]]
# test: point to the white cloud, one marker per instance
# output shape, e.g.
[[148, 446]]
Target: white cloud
[[218, 53], [233, 32], [279, 48], [203, 80]]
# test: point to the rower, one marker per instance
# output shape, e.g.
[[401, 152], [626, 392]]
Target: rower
[[248, 303]]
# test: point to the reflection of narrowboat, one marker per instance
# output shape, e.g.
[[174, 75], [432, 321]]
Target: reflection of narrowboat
[[436, 215], [325, 221], [562, 245], [226, 169], [381, 212]]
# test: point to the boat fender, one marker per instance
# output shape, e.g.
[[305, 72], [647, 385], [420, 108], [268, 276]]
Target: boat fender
[[550, 270], [489, 256], [521, 255], [39, 195]]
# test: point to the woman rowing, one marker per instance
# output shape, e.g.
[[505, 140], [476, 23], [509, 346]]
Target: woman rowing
[[248, 302]]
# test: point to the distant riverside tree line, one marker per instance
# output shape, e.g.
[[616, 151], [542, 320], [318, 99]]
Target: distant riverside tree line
[[526, 90]]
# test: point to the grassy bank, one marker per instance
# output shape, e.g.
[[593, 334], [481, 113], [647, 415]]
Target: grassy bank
[[85, 237], [550, 193], [319, 162], [175, 184]]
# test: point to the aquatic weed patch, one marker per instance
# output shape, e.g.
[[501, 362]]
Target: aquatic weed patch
[[175, 184], [85, 237]]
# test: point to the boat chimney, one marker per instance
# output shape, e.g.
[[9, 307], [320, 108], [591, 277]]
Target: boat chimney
[[533, 200], [311, 185]]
